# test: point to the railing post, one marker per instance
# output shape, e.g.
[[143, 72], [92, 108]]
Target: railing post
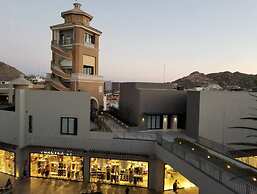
[[247, 189], [220, 176]]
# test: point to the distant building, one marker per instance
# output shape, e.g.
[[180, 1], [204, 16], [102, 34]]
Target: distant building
[[116, 87], [152, 106], [107, 87]]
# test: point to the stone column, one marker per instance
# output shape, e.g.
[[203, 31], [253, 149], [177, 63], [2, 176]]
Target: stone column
[[86, 169], [156, 175], [22, 162]]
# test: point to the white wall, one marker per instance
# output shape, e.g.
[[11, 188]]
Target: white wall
[[219, 111], [9, 126], [47, 108]]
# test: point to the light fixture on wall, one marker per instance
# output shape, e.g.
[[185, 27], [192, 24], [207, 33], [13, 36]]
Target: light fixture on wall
[[143, 119]]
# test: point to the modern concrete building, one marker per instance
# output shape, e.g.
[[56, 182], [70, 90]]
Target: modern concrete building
[[75, 55], [152, 106], [225, 117], [52, 139]]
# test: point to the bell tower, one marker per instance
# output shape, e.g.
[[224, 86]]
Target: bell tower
[[75, 55]]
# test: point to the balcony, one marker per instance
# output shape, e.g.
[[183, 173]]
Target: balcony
[[82, 76]]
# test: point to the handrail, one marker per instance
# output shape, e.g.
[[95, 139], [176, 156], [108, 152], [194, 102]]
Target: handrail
[[58, 85], [215, 167], [58, 71]]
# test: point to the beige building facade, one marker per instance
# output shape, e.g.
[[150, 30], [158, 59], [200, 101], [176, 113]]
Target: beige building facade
[[75, 55]]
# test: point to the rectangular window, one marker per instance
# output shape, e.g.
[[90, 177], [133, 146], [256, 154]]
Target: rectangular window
[[30, 123], [56, 165], [69, 126], [154, 122], [65, 40], [120, 172], [88, 70], [89, 39], [7, 162]]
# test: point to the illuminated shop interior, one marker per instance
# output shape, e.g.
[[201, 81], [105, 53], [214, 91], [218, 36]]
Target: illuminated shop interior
[[121, 172], [58, 166], [7, 162], [250, 160], [184, 184]]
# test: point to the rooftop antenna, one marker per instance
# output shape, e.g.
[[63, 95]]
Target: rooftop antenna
[[164, 73]]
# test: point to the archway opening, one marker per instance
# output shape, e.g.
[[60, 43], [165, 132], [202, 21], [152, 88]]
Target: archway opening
[[93, 109]]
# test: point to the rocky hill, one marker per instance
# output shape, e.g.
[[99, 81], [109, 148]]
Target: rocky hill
[[8, 72], [225, 79]]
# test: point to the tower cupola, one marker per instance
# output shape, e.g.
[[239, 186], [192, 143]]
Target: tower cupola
[[77, 16]]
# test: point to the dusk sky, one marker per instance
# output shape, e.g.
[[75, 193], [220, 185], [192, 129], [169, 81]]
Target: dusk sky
[[139, 36]]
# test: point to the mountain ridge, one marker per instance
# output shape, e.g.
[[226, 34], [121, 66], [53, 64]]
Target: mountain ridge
[[225, 79], [8, 72]]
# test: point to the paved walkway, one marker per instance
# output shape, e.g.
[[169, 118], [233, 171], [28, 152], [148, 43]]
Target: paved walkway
[[51, 186]]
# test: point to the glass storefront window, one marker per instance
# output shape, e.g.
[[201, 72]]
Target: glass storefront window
[[171, 176], [56, 166], [7, 162], [250, 160], [121, 172]]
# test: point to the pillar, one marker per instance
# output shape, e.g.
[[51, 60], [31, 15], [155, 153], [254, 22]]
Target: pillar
[[86, 169], [21, 160], [156, 175]]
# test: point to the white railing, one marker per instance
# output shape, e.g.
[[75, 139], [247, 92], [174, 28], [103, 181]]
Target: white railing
[[89, 45], [82, 76]]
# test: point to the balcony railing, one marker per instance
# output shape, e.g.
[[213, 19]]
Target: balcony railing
[[65, 43], [82, 76], [89, 45]]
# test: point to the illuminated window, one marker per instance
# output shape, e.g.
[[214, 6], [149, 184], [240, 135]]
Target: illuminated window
[[56, 166], [171, 176], [7, 162], [121, 172], [69, 126]]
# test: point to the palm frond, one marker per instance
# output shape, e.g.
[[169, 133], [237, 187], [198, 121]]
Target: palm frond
[[243, 144], [249, 118], [248, 128], [253, 95], [251, 136]]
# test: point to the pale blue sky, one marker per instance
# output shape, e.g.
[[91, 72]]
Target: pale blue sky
[[139, 36]]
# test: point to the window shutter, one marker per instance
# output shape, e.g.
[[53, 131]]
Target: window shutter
[[75, 126], [93, 39]]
